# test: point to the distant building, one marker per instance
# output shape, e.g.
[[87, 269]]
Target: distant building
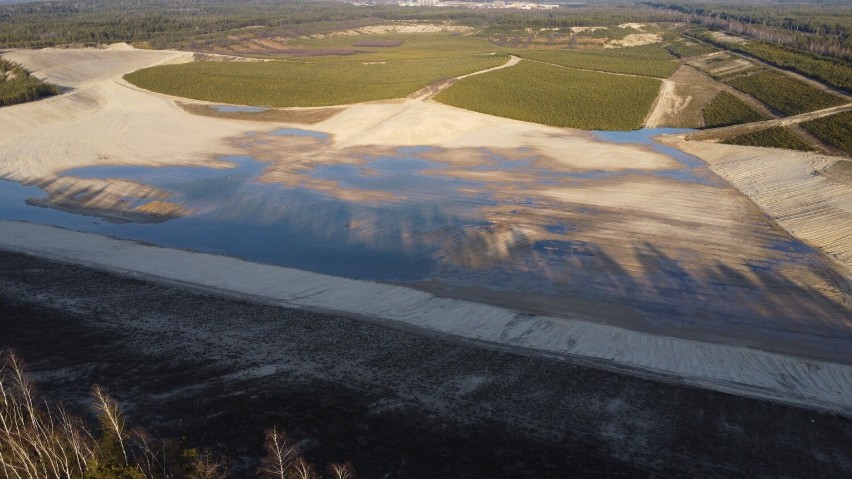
[[427, 3]]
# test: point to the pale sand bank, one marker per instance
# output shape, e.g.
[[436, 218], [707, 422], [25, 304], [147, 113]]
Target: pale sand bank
[[808, 194], [738, 370]]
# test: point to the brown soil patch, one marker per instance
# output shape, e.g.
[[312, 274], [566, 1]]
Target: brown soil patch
[[721, 64], [308, 116], [724, 37], [693, 90]]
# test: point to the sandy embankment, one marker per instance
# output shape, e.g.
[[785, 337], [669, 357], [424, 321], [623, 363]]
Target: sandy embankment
[[104, 121], [726, 368], [808, 194]]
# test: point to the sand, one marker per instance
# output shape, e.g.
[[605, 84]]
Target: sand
[[644, 221], [808, 194], [738, 370], [103, 120]]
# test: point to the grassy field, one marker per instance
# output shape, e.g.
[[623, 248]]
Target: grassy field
[[301, 83], [647, 60], [783, 93], [726, 109], [18, 86], [551, 95], [835, 130], [685, 48], [777, 137]]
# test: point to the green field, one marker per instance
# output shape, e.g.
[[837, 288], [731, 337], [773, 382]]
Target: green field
[[305, 83], [783, 93], [18, 86], [685, 48], [551, 95], [647, 60], [833, 72], [726, 109], [777, 137], [835, 130]]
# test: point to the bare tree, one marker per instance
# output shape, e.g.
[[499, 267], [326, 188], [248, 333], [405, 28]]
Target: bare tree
[[303, 469], [111, 419], [341, 471], [281, 455], [37, 441], [206, 466]]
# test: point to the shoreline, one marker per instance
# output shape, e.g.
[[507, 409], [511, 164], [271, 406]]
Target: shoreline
[[217, 372], [817, 385]]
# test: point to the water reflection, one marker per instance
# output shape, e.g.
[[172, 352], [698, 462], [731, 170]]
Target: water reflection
[[674, 250]]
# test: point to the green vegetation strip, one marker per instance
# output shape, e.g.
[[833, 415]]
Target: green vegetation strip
[[726, 109], [785, 94], [557, 96], [833, 72], [835, 130], [18, 86], [285, 83], [836, 73], [776, 137], [648, 60]]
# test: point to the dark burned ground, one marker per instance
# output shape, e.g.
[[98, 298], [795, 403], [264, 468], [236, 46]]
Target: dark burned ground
[[217, 372]]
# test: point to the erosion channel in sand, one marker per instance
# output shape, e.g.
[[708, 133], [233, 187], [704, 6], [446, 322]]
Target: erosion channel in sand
[[611, 245]]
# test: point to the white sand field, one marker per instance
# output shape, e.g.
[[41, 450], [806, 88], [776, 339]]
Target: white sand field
[[644, 225]]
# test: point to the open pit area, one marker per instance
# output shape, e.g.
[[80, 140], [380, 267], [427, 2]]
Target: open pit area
[[377, 268]]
